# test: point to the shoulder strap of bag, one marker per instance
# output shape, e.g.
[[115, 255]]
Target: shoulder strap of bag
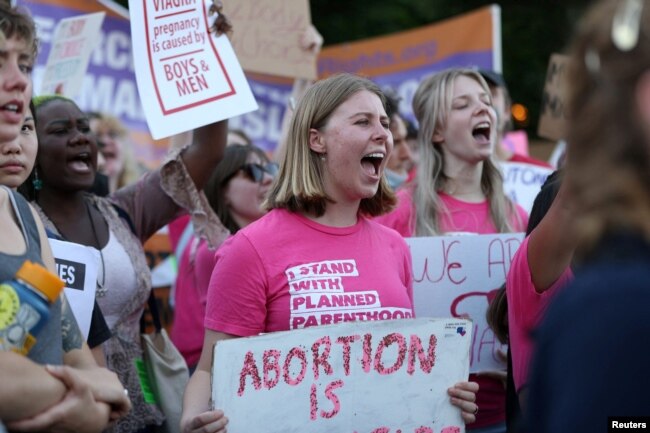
[[153, 309]]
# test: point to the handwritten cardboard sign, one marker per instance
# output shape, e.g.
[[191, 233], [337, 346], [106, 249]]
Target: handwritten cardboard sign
[[187, 76], [457, 276], [77, 265], [522, 182], [552, 118], [74, 39], [375, 376], [267, 36]]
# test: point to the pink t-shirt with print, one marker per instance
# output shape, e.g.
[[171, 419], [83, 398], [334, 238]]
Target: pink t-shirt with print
[[286, 271], [525, 309]]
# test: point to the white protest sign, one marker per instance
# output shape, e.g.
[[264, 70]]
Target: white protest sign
[[187, 76], [522, 182], [371, 376], [77, 265], [457, 276], [73, 42]]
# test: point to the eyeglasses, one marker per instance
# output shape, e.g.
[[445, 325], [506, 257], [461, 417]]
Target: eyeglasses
[[256, 171]]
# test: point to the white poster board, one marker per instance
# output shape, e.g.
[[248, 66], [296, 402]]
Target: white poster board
[[187, 76], [74, 40], [456, 276], [522, 182], [77, 265], [374, 376]]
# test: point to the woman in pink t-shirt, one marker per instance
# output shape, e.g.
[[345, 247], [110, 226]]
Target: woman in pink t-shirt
[[236, 190], [331, 180], [458, 188]]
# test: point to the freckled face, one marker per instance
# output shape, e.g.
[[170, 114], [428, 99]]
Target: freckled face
[[356, 143]]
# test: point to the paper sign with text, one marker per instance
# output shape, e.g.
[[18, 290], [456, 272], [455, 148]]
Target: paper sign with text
[[267, 36], [552, 118], [187, 76], [74, 40], [522, 182], [77, 265], [457, 276], [362, 377]]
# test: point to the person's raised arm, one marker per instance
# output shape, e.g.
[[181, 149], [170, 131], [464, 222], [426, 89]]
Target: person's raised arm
[[552, 243], [208, 143]]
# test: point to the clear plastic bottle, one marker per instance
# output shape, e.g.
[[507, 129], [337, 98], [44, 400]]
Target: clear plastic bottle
[[25, 306]]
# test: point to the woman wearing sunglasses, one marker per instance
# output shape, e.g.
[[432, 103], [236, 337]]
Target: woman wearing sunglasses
[[236, 190]]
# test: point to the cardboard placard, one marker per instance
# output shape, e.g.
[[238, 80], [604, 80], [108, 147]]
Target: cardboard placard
[[374, 376], [266, 37], [552, 119]]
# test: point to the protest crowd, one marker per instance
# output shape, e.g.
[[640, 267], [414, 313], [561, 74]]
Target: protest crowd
[[334, 227]]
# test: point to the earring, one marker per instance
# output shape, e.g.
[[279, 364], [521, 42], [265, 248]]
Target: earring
[[37, 183], [322, 156]]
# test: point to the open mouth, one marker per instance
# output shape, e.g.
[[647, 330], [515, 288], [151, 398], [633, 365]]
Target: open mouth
[[15, 107], [371, 163], [80, 162], [481, 132]]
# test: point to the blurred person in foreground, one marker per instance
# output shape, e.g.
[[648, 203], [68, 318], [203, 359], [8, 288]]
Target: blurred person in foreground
[[592, 354]]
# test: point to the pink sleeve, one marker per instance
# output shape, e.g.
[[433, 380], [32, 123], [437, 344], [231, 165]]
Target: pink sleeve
[[237, 291], [204, 261], [525, 310], [402, 218]]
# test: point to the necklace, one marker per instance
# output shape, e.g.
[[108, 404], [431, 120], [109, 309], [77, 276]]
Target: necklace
[[101, 290]]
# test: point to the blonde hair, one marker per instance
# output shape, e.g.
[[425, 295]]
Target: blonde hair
[[431, 106], [608, 153], [299, 185]]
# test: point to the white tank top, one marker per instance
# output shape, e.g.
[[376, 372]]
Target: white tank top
[[120, 281]]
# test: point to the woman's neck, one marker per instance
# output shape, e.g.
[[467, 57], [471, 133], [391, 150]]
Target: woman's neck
[[337, 215], [464, 182], [61, 203]]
